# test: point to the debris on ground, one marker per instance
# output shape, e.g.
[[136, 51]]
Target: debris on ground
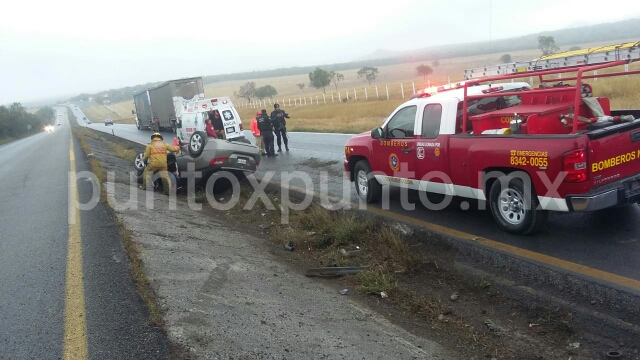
[[492, 326], [335, 271], [383, 294], [351, 253], [263, 226], [454, 296], [574, 345], [289, 246], [344, 291], [404, 229]]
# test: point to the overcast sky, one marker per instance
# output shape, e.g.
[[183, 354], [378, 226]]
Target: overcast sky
[[65, 47]]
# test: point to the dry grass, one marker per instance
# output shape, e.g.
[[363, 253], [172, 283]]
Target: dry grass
[[360, 115], [350, 117], [98, 113]]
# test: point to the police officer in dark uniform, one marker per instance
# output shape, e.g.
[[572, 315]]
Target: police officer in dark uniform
[[265, 125], [278, 117]]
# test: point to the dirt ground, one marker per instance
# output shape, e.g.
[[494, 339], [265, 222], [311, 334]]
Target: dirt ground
[[230, 289]]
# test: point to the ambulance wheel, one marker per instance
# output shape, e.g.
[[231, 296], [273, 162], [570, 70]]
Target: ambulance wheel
[[197, 142], [139, 163], [368, 188], [515, 206]]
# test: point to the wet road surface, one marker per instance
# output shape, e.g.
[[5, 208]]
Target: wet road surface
[[35, 228]]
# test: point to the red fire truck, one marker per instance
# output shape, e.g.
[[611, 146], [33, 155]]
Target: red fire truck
[[523, 151]]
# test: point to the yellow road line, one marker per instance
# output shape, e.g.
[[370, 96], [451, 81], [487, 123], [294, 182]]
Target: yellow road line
[[513, 250], [75, 322]]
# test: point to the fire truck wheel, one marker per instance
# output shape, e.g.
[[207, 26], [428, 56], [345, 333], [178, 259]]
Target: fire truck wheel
[[514, 207], [368, 188]]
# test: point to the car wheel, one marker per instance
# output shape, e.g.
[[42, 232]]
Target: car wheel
[[197, 142], [368, 188], [138, 162], [515, 208]]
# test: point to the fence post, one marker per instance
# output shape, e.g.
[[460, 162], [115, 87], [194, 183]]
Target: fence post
[[595, 72], [626, 67], [289, 101], [387, 87], [413, 85], [377, 96], [324, 98], [317, 98], [305, 100], [339, 96], [346, 92], [531, 81], [402, 89], [332, 98], [355, 96], [366, 97]]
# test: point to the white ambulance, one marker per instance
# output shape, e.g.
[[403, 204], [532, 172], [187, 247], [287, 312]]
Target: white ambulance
[[193, 114]]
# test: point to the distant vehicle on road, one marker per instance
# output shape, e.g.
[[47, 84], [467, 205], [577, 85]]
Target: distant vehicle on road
[[108, 122], [58, 123], [48, 128]]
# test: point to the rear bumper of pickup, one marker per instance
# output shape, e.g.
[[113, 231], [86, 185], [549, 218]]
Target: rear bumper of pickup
[[619, 193]]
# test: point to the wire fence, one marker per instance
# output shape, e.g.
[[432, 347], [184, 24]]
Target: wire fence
[[394, 91]]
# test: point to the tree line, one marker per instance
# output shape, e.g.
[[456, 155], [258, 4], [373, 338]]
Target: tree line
[[319, 79], [16, 121]]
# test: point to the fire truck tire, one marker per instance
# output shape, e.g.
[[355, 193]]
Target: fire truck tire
[[513, 209], [368, 188]]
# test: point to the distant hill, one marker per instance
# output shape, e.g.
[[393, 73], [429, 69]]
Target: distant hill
[[608, 32], [626, 29]]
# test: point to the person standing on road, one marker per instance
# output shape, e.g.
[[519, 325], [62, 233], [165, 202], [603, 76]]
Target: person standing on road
[[216, 121], [256, 133], [278, 117], [156, 124], [265, 125], [156, 151]]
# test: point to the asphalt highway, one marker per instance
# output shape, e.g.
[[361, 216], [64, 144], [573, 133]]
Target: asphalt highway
[[607, 240], [35, 308]]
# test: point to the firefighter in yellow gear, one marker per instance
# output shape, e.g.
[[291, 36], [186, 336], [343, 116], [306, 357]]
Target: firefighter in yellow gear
[[156, 151]]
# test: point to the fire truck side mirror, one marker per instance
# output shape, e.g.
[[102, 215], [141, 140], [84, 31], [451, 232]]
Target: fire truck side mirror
[[376, 133]]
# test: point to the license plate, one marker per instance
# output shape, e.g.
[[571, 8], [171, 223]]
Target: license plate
[[242, 161], [230, 129]]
